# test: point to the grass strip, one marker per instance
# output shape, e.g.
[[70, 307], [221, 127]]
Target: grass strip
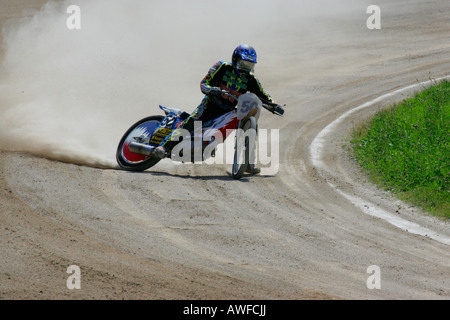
[[405, 149]]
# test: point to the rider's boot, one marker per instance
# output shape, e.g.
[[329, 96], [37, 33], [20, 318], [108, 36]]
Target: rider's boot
[[159, 152], [252, 169]]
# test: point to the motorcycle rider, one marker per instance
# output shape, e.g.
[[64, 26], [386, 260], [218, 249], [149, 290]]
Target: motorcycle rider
[[237, 78]]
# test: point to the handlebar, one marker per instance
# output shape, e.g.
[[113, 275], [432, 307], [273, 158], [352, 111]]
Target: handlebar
[[268, 105]]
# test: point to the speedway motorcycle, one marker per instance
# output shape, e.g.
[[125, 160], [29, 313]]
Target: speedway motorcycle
[[137, 148]]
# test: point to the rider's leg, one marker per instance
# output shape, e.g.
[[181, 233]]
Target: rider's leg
[[188, 124]]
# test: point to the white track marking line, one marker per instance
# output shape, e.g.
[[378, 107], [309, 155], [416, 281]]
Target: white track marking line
[[317, 148]]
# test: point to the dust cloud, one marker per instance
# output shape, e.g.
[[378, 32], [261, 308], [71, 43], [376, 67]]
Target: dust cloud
[[70, 94]]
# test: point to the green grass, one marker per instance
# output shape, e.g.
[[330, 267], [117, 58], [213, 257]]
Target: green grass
[[406, 149]]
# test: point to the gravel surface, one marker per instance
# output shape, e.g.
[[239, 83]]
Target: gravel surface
[[191, 232]]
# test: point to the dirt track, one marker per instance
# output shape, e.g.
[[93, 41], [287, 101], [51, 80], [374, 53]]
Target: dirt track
[[191, 232]]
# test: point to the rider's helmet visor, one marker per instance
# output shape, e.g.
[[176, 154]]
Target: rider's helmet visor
[[246, 66]]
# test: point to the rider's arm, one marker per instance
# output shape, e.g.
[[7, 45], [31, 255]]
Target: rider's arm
[[259, 91], [210, 83]]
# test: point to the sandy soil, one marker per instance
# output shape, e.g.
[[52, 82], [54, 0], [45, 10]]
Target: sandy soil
[[191, 232]]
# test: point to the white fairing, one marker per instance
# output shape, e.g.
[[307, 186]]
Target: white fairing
[[246, 103]]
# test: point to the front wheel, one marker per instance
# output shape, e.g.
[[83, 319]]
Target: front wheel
[[245, 141], [130, 161]]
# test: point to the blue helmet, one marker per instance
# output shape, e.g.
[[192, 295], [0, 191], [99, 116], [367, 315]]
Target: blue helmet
[[244, 58]]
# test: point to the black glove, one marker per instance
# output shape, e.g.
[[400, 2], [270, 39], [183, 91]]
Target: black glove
[[278, 110], [215, 91]]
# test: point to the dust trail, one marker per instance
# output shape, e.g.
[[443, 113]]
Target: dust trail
[[71, 94]]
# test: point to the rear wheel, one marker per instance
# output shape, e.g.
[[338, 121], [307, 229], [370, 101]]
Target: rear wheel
[[130, 161], [245, 140]]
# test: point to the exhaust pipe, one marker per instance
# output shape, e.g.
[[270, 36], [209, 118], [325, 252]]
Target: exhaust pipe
[[146, 150], [141, 148]]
